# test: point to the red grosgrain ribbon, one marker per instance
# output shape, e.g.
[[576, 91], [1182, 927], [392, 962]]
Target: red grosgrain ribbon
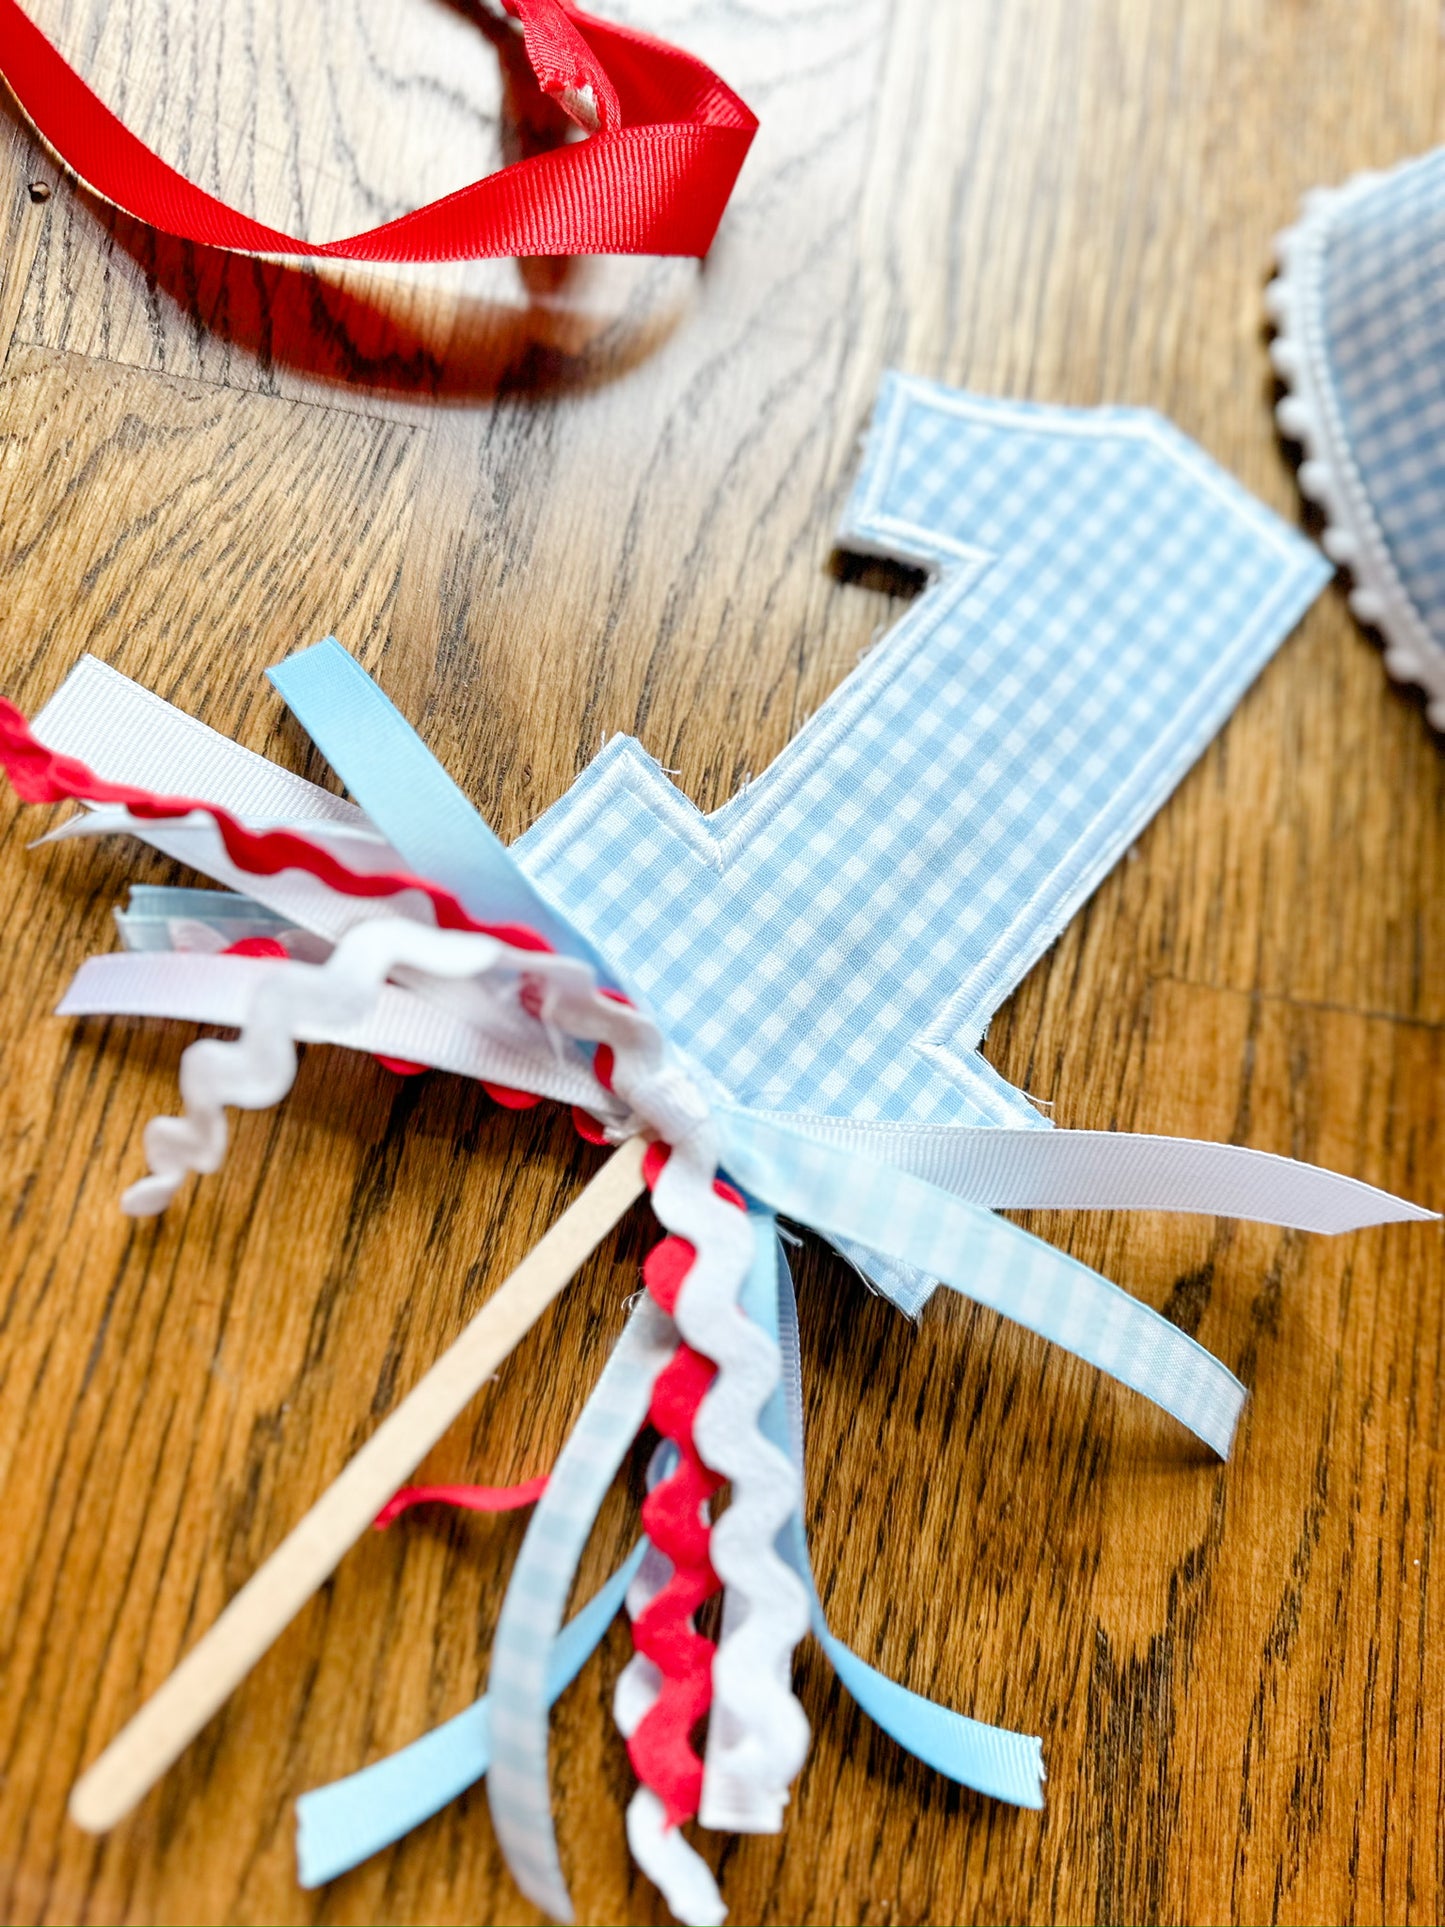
[[470, 1498], [653, 178]]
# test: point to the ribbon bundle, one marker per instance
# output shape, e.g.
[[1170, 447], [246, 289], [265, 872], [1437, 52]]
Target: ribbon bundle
[[666, 139], [343, 939]]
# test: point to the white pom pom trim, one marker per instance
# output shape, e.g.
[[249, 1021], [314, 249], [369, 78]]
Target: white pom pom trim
[[1328, 476]]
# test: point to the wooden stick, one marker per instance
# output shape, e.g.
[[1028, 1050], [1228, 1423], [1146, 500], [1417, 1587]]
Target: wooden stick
[[268, 1602]]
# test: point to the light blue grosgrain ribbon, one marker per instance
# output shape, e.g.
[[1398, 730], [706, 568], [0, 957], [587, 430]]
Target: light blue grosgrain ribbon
[[411, 799], [339, 1826], [990, 1759]]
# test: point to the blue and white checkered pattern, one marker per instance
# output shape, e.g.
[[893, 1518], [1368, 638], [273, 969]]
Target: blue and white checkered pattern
[[881, 1208], [836, 938], [518, 1786], [1382, 288]]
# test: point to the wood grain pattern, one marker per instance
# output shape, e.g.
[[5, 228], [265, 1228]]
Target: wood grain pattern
[[548, 501]]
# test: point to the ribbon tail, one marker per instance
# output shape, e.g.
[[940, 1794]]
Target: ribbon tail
[[1008, 1169], [518, 1785], [340, 1825], [996, 1264], [989, 1759], [411, 799]]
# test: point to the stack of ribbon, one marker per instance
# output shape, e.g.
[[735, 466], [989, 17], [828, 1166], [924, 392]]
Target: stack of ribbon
[[357, 948]]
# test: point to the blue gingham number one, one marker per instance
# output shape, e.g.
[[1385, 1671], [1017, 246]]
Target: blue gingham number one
[[836, 938]]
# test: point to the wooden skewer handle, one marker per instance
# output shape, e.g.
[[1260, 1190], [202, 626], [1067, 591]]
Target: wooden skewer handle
[[268, 1602]]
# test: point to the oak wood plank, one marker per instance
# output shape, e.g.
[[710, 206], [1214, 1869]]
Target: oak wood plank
[[549, 501]]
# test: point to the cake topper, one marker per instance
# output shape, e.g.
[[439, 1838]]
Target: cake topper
[[771, 1011]]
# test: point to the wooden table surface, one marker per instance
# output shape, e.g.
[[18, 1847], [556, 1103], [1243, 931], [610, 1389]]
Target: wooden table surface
[[551, 501]]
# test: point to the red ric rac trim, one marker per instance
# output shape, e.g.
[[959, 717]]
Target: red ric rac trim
[[661, 1747], [38, 775]]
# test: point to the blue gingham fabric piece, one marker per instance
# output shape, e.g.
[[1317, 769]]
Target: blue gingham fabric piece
[[836, 938], [1361, 309], [1384, 320]]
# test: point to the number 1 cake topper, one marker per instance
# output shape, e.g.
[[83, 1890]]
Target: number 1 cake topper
[[782, 1003]]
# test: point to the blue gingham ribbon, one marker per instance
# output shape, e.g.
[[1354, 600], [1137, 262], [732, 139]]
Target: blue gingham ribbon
[[342, 1824]]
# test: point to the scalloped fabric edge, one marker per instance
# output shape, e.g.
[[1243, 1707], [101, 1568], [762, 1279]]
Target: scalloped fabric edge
[[1310, 414]]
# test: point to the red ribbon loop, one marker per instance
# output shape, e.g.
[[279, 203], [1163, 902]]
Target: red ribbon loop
[[469, 1498], [565, 65], [653, 178]]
